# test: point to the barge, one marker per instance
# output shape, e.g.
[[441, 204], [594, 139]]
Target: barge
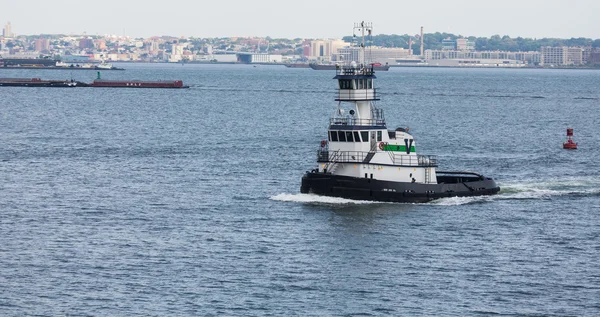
[[37, 82], [138, 83]]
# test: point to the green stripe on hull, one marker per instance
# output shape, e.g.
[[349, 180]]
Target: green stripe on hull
[[398, 148]]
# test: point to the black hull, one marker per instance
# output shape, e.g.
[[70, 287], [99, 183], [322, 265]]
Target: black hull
[[377, 190]]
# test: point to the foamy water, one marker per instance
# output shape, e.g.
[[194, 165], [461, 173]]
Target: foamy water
[[316, 199]]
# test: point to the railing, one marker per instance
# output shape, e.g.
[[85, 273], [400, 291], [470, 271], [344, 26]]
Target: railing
[[354, 121], [355, 70], [413, 160], [324, 156]]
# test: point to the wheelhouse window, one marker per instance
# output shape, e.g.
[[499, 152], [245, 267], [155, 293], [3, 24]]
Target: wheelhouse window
[[349, 137], [333, 136], [379, 136], [356, 137], [369, 83], [365, 136], [342, 136], [345, 83]]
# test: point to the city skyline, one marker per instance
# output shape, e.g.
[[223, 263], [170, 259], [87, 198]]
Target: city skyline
[[529, 19]]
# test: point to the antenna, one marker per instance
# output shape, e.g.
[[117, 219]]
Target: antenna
[[363, 27]]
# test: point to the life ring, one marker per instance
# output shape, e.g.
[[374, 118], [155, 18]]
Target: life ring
[[323, 143], [382, 145]]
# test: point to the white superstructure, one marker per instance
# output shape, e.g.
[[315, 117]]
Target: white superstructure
[[359, 144]]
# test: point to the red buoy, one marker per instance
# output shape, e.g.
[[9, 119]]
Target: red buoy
[[570, 145]]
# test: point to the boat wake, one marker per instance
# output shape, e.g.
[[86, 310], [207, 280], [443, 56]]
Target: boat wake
[[457, 201], [320, 200], [541, 190]]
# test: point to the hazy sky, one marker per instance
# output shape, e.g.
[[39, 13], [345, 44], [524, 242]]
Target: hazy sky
[[304, 19]]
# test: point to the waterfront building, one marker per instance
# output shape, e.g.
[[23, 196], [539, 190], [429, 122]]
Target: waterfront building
[[561, 56], [448, 45], [373, 54], [252, 58], [575, 56], [594, 57], [463, 44], [469, 62], [484, 57], [305, 49], [323, 49]]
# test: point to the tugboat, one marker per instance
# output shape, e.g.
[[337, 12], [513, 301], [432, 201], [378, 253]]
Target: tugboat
[[363, 160]]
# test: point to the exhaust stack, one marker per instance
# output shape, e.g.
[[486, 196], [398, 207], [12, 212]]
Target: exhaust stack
[[422, 45]]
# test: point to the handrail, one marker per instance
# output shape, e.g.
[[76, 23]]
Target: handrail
[[358, 122], [355, 70], [378, 119], [332, 160], [359, 157]]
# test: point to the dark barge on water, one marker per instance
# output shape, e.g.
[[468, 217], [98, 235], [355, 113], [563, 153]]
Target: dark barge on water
[[37, 82], [138, 84], [100, 83]]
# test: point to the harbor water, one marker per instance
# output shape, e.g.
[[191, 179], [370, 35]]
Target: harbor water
[[186, 202]]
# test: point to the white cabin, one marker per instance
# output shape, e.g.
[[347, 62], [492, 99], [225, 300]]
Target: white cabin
[[359, 144]]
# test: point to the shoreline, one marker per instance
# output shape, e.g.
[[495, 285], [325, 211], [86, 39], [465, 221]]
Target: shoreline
[[284, 64], [391, 66]]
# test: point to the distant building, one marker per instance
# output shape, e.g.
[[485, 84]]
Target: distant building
[[7, 31], [460, 44], [251, 58], [484, 58], [306, 49], [561, 56], [154, 47], [86, 43], [177, 53], [42, 45], [373, 54], [324, 49], [100, 44], [448, 45], [177, 49], [463, 44], [575, 56], [594, 57]]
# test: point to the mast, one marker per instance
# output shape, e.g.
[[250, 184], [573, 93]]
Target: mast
[[364, 28]]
